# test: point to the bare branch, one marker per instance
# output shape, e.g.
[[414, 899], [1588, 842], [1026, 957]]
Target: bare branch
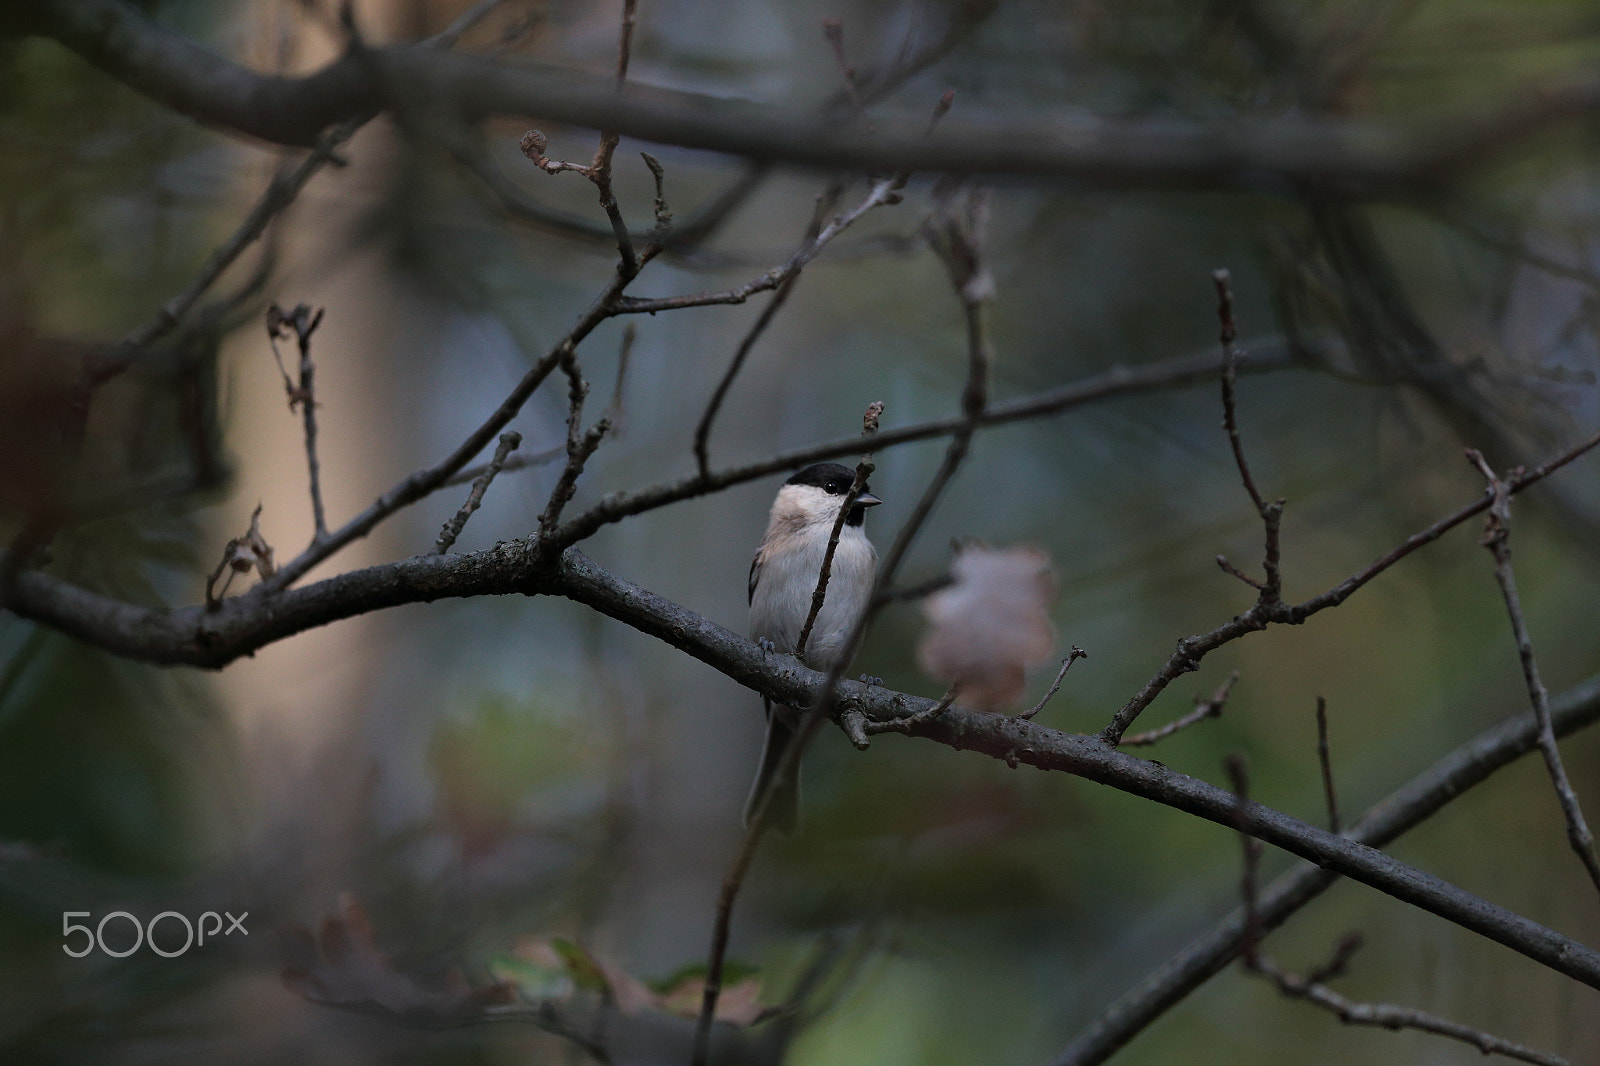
[[618, 407], [213, 638], [1117, 381], [422, 482], [1271, 513], [1267, 611], [702, 431], [630, 17], [1230, 358], [285, 186], [1497, 538], [452, 529], [1115, 152], [1239, 779], [1312, 989], [1411, 805], [882, 192]]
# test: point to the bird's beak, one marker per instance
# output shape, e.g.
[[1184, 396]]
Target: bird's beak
[[867, 499]]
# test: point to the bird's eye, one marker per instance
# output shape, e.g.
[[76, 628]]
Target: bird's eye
[[834, 488]]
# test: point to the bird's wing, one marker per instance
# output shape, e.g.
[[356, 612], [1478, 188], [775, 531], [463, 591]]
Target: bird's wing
[[755, 576]]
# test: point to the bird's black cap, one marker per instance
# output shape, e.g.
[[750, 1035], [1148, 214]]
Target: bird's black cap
[[836, 479], [830, 477]]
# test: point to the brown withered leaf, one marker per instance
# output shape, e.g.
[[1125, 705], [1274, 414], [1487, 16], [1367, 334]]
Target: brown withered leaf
[[342, 967], [990, 624]]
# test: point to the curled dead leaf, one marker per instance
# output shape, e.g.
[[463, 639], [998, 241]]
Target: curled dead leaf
[[990, 623]]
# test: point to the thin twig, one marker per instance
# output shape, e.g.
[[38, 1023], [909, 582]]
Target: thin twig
[[1228, 331], [1497, 538], [240, 555], [1229, 568], [452, 529], [303, 322], [907, 723], [1311, 989], [280, 192], [702, 431], [882, 192], [630, 17], [663, 213], [598, 169], [1203, 709], [1117, 381], [512, 463], [618, 405], [581, 444], [1055, 686], [858, 485], [1271, 513], [833, 32], [1326, 763], [1239, 780]]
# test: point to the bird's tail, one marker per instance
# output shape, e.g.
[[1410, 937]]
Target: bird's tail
[[783, 812]]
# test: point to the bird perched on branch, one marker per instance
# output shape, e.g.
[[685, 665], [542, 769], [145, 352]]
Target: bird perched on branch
[[783, 581]]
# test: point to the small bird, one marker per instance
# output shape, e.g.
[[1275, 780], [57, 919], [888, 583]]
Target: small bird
[[783, 580]]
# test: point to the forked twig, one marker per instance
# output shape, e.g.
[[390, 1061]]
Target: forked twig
[[1269, 608], [452, 529], [1203, 709], [1311, 987], [1497, 538], [1271, 513]]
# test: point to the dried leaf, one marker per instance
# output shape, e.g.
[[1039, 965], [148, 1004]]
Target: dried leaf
[[990, 624], [739, 1004], [342, 967]]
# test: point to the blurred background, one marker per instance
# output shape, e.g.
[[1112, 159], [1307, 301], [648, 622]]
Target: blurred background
[[489, 776]]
